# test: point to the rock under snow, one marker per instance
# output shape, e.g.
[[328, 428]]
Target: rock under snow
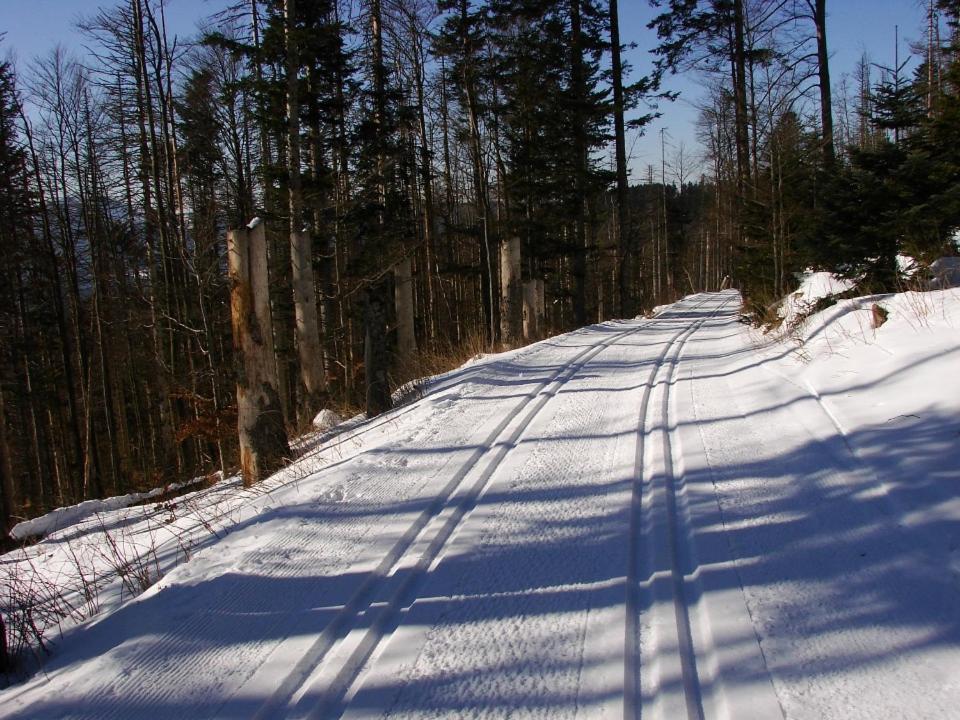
[[326, 420]]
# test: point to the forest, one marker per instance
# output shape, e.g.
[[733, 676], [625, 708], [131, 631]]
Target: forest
[[430, 180]]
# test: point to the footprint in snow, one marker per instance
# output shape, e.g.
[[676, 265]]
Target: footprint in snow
[[332, 495]]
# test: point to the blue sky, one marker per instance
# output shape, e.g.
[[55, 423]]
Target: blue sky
[[33, 27], [854, 27]]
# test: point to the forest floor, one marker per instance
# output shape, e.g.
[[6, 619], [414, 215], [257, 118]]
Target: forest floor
[[667, 517]]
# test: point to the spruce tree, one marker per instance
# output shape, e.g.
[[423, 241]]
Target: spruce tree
[[15, 212]]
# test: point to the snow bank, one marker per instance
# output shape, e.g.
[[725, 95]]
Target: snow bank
[[814, 286], [911, 357], [73, 514]]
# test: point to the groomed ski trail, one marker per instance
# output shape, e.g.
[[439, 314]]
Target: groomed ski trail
[[318, 582], [625, 521]]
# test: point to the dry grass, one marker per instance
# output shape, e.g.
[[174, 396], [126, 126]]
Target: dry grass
[[409, 377]]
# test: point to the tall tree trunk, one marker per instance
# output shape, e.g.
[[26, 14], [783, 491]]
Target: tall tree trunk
[[312, 380], [481, 196], [263, 438], [741, 131], [6, 479], [623, 305], [511, 291], [819, 10], [74, 450], [155, 234], [426, 179], [403, 300], [375, 303], [579, 259]]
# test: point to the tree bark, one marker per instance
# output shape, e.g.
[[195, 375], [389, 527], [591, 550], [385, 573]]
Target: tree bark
[[623, 305], [482, 200], [823, 69], [375, 295], [533, 307], [403, 299], [741, 131], [579, 259], [263, 437], [312, 380], [6, 476], [511, 292]]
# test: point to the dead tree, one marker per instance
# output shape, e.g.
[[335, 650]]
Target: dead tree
[[312, 379], [263, 437]]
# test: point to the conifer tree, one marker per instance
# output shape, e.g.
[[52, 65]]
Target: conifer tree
[[15, 212]]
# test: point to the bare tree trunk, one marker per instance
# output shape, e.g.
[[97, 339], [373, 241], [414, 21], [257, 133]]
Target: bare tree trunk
[[312, 378], [75, 449], [579, 259], [819, 10], [153, 223], [511, 292], [403, 299], [6, 479], [263, 438], [481, 195], [623, 303], [533, 309], [426, 178], [741, 131], [375, 303]]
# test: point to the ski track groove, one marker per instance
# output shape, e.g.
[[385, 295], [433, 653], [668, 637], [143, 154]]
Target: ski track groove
[[159, 657], [235, 596], [384, 622], [154, 660], [678, 538], [559, 464], [186, 538], [548, 468], [242, 596]]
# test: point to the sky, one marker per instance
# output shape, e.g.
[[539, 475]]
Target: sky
[[33, 27], [854, 27]]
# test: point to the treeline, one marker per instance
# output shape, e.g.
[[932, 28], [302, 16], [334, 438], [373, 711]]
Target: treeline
[[808, 174], [416, 165], [432, 176]]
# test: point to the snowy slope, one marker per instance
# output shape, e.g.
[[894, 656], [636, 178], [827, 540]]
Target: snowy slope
[[669, 517]]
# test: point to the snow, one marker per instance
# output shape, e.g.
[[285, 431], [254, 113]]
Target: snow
[[75, 514], [326, 420], [669, 517], [814, 286]]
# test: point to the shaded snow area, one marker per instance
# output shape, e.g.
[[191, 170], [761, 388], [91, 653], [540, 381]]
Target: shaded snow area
[[671, 517], [73, 515]]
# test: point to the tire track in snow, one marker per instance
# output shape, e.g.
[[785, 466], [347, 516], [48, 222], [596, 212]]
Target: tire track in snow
[[661, 547], [396, 581]]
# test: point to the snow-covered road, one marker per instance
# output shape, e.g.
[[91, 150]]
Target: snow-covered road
[[637, 519]]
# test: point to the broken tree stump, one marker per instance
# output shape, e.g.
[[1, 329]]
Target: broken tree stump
[[263, 437]]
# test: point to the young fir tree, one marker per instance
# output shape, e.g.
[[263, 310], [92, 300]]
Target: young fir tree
[[554, 115]]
